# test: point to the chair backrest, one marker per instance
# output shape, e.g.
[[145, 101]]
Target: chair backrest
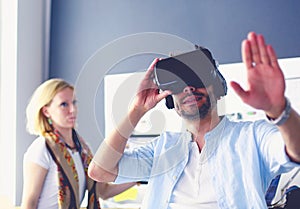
[[293, 198]]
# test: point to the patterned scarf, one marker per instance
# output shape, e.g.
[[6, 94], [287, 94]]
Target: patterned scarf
[[68, 188]]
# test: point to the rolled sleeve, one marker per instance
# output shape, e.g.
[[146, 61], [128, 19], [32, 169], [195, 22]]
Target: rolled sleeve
[[276, 157], [135, 165]]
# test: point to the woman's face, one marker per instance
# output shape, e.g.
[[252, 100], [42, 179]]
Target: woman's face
[[62, 110]]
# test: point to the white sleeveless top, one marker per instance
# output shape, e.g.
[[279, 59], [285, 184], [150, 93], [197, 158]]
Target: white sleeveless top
[[38, 153]]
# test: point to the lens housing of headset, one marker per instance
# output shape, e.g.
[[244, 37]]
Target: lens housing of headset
[[174, 75], [195, 68]]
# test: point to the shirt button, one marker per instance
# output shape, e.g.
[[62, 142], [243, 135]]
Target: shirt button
[[174, 177]]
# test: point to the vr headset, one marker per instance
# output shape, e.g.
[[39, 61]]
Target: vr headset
[[195, 68]]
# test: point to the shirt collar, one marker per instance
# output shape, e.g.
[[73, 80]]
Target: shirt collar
[[212, 140]]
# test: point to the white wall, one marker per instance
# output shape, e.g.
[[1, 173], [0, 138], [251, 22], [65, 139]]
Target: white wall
[[8, 100], [24, 65]]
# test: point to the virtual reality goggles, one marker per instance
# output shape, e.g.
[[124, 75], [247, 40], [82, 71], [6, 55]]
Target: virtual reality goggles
[[196, 68]]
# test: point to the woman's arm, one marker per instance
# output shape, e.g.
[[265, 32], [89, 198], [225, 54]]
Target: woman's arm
[[33, 178]]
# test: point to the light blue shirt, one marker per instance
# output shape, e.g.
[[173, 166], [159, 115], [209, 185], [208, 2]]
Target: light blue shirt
[[244, 159]]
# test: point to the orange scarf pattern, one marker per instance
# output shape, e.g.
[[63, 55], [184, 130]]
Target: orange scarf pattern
[[68, 188]]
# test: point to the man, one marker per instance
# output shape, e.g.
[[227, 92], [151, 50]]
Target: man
[[215, 163]]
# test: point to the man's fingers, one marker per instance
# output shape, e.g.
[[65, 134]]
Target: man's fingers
[[273, 57], [239, 90], [264, 56], [254, 48], [149, 72], [163, 95], [246, 54]]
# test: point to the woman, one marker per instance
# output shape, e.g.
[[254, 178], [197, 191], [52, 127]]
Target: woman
[[55, 164]]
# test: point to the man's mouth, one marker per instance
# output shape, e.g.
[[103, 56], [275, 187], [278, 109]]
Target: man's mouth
[[190, 99]]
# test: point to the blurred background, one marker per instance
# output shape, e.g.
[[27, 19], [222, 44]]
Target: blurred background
[[68, 39]]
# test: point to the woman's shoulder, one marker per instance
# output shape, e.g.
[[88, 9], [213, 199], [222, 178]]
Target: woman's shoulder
[[37, 152], [38, 143]]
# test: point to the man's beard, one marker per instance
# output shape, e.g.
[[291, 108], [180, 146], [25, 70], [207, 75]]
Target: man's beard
[[202, 112]]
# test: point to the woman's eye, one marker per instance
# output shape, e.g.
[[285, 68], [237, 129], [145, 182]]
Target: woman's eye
[[75, 102], [64, 104]]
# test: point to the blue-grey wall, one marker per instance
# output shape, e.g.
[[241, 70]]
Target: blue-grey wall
[[79, 28]]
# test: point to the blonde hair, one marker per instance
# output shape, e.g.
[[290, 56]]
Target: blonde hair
[[37, 122]]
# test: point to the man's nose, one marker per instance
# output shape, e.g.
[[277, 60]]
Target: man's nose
[[189, 89]]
